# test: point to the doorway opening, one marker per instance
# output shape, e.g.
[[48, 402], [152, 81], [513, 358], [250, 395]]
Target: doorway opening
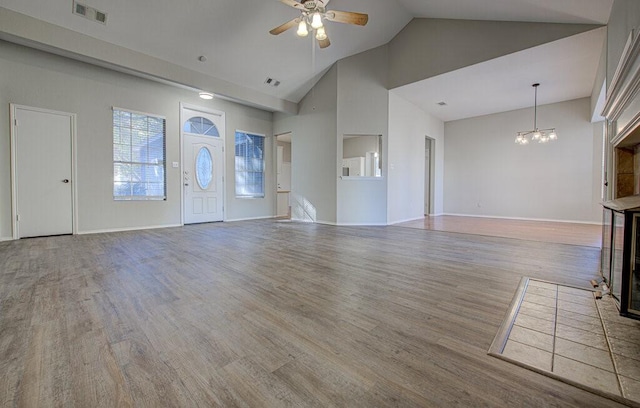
[[283, 175], [429, 170]]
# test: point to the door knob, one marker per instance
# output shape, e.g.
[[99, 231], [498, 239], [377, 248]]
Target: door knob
[[65, 181]]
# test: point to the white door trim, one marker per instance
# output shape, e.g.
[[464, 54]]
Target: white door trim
[[14, 197], [208, 111]]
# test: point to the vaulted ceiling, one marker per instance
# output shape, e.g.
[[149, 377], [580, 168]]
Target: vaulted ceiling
[[233, 34]]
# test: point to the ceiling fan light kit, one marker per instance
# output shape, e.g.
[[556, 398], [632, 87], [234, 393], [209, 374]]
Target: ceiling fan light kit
[[536, 135], [312, 14]]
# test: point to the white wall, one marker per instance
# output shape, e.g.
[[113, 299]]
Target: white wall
[[313, 152], [362, 108], [39, 79], [408, 126], [487, 174]]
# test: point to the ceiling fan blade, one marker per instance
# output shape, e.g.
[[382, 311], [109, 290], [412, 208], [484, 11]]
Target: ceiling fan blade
[[293, 3], [347, 17], [284, 27], [324, 43]]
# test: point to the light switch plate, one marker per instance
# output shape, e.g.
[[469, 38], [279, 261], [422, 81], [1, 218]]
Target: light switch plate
[[176, 165]]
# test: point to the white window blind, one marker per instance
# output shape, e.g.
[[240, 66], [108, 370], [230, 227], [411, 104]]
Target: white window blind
[[249, 165], [139, 150]]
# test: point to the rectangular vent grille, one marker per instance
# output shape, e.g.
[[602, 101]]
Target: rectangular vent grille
[[272, 82], [89, 13]]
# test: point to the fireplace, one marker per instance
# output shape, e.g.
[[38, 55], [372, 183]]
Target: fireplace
[[620, 264]]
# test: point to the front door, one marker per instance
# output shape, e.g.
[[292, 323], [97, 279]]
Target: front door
[[203, 166], [42, 176]]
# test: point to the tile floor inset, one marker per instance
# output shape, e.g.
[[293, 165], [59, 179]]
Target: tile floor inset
[[566, 332], [528, 355], [586, 374]]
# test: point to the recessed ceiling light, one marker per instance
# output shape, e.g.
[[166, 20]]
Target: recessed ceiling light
[[202, 58], [206, 95], [442, 103]]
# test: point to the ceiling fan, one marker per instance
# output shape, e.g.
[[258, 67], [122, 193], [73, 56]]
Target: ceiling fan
[[312, 14]]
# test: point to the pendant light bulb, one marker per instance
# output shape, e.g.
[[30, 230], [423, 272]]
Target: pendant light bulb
[[302, 29], [316, 20], [321, 34]]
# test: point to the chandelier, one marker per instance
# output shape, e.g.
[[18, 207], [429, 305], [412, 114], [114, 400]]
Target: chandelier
[[536, 135]]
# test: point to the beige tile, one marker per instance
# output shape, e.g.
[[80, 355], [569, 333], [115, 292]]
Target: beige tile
[[585, 374], [541, 300], [579, 317], [593, 326], [630, 388], [581, 336], [533, 323], [534, 290], [584, 354], [623, 331], [585, 299], [589, 310], [628, 367], [539, 311], [540, 284], [528, 355], [625, 348], [567, 289], [532, 338]]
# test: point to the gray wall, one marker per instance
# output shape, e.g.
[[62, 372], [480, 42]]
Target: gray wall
[[625, 16], [487, 174], [39, 79], [429, 47], [362, 108], [313, 151], [408, 126]]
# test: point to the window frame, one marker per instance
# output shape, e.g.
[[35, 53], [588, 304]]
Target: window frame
[[264, 165], [137, 197]]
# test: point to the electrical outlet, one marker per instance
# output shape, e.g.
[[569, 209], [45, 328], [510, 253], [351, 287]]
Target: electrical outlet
[[176, 165]]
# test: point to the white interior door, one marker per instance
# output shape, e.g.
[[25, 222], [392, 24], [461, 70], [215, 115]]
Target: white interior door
[[42, 173], [203, 166]]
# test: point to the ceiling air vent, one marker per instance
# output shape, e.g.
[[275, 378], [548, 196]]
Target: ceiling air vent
[[89, 13], [442, 103], [80, 9], [272, 82]]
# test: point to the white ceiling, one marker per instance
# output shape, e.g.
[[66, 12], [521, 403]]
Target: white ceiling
[[233, 34]]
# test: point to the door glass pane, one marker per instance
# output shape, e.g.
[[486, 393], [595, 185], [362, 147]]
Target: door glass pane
[[634, 284], [204, 168], [605, 263], [617, 248]]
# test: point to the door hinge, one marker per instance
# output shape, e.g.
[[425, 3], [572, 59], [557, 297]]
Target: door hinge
[[15, 122], [18, 217]]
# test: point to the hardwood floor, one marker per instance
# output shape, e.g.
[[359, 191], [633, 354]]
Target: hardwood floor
[[542, 231], [271, 314]]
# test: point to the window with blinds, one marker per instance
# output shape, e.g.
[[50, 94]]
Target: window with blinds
[[249, 165], [139, 152]]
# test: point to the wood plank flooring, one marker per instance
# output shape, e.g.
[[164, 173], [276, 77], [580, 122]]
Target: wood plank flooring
[[542, 231], [272, 314]]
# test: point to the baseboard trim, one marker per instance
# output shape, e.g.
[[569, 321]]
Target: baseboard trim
[[524, 219], [266, 217], [406, 220], [6, 239], [360, 224], [148, 227]]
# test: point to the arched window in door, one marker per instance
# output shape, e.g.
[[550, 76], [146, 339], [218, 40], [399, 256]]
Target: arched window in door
[[201, 126]]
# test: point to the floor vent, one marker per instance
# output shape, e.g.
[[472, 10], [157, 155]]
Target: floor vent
[[89, 13]]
